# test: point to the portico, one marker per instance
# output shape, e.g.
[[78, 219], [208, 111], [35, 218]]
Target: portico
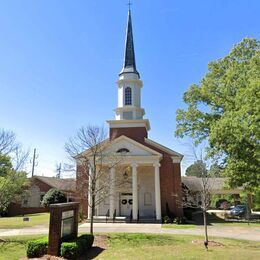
[[143, 202]]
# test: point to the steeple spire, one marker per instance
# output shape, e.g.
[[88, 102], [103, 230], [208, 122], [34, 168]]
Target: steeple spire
[[129, 65]]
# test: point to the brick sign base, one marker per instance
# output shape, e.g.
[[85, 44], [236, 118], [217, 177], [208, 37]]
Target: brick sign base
[[63, 225]]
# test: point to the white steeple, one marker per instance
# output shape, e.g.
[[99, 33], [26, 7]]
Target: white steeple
[[129, 112], [129, 83]]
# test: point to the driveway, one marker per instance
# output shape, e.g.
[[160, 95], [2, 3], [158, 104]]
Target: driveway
[[236, 232]]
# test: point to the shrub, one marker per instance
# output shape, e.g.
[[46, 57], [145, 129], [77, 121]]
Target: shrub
[[53, 196], [37, 248], [167, 220], [76, 247], [86, 241], [71, 250]]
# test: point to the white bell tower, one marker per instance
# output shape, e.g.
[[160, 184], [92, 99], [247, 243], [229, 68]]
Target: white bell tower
[[129, 112]]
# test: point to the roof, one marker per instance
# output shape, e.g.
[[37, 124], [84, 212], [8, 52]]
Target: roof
[[216, 185], [163, 148], [61, 184], [129, 65]]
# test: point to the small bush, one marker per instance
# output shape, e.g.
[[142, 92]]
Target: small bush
[[71, 250], [86, 240], [37, 248], [53, 196], [76, 247]]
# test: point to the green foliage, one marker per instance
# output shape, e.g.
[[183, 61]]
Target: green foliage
[[256, 199], [225, 110], [37, 248], [77, 247], [86, 240], [53, 196], [12, 183], [5, 165], [71, 250], [196, 169]]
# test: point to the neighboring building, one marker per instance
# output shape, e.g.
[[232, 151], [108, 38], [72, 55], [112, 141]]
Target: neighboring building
[[194, 187], [30, 201], [154, 181]]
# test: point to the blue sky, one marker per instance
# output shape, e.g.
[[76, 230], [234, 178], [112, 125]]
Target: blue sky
[[60, 59]]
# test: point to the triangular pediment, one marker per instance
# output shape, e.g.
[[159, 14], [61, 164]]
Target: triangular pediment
[[131, 147]]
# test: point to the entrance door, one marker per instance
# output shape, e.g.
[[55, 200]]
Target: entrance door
[[126, 202]]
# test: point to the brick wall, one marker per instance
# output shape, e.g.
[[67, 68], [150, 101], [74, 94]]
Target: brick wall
[[15, 209], [82, 189]]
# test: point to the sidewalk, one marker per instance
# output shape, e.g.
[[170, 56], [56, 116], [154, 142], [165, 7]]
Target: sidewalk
[[236, 232]]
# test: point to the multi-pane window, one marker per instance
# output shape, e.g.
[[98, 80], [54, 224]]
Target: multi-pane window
[[128, 96]]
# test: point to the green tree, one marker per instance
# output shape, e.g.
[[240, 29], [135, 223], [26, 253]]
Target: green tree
[[195, 169], [54, 196], [224, 109], [12, 182]]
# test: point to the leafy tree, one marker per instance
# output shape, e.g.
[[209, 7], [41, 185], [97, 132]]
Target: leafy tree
[[195, 169], [12, 182], [215, 170], [224, 109], [54, 196]]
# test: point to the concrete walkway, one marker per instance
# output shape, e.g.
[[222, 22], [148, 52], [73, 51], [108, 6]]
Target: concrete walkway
[[236, 232]]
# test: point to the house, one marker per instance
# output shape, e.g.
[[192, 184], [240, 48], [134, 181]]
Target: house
[[153, 180], [30, 201], [216, 186]]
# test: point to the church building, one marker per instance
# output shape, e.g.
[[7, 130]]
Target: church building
[[154, 178]]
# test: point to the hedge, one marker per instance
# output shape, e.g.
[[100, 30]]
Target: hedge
[[76, 247], [37, 248], [69, 250]]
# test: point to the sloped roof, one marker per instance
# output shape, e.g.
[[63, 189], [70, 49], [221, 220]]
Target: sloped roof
[[61, 184], [194, 184]]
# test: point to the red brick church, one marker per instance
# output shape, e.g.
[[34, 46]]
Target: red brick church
[[154, 182]]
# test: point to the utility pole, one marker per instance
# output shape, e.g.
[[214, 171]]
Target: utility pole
[[33, 161], [59, 171]]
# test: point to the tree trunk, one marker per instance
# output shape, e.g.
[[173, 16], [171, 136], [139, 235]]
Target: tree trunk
[[92, 213], [206, 240]]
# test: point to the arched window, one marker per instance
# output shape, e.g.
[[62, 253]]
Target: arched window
[[128, 96], [123, 150]]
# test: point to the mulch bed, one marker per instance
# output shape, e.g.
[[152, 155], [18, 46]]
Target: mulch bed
[[210, 244]]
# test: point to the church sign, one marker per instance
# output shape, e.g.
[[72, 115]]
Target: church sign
[[63, 225], [67, 223]]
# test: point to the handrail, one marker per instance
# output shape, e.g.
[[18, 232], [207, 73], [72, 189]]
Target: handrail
[[107, 215], [131, 216], [114, 216]]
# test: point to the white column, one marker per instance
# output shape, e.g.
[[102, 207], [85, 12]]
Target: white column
[[89, 192], [112, 192], [135, 191], [157, 191]]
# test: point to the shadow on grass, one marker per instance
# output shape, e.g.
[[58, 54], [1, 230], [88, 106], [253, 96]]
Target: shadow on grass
[[92, 253]]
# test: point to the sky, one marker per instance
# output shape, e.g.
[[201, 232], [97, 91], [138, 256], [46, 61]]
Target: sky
[[60, 59]]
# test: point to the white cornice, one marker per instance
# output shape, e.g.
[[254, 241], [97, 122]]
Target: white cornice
[[138, 82], [129, 123], [176, 159]]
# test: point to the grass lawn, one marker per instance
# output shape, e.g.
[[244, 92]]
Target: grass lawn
[[15, 247], [239, 224], [178, 226], [148, 246], [17, 222]]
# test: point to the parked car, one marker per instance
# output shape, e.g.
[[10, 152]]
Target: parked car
[[238, 211]]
